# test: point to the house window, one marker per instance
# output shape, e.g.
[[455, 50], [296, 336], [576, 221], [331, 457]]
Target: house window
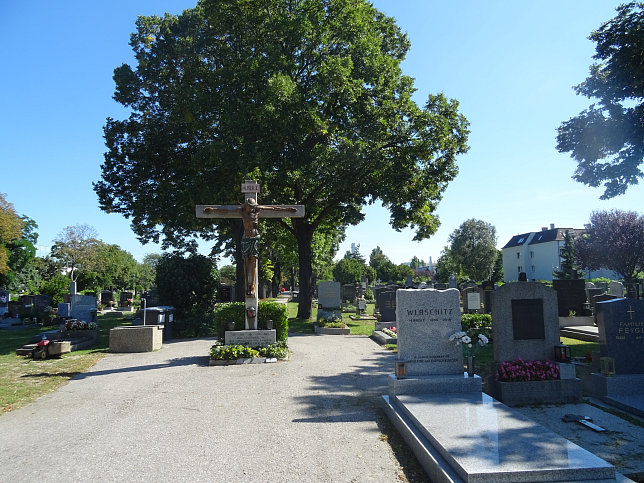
[[518, 254], [533, 269], [531, 254], [520, 269]]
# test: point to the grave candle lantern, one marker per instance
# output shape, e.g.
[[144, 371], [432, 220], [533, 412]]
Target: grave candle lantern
[[562, 353]]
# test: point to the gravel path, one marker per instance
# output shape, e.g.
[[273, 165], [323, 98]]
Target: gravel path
[[168, 416]]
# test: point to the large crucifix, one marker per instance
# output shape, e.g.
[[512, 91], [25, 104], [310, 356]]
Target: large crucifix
[[250, 212]]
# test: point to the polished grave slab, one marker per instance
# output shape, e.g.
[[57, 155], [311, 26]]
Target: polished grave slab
[[482, 440]]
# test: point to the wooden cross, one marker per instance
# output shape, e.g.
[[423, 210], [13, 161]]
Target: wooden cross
[[250, 212]]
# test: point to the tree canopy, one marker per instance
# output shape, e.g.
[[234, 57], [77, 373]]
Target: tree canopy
[[607, 139], [10, 231], [613, 240], [308, 95], [473, 248]]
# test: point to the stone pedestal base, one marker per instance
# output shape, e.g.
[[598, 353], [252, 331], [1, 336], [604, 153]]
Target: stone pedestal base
[[536, 392], [141, 338], [441, 384]]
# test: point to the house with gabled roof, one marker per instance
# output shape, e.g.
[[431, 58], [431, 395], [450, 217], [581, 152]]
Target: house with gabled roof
[[538, 254]]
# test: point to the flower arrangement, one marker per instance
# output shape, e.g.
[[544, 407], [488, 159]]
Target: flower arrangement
[[465, 339], [74, 324], [520, 370], [391, 332]]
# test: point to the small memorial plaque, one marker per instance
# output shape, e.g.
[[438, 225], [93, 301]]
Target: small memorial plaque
[[252, 338]]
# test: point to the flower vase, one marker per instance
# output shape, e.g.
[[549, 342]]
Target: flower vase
[[470, 366]]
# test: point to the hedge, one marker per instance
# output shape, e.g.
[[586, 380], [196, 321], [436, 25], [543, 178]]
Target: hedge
[[234, 311]]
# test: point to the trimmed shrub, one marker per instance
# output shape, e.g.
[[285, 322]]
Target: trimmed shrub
[[194, 325], [234, 312]]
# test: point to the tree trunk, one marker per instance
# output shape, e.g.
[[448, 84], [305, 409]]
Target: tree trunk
[[304, 236], [275, 283]]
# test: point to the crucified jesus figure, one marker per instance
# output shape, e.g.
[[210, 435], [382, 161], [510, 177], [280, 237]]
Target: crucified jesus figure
[[250, 212]]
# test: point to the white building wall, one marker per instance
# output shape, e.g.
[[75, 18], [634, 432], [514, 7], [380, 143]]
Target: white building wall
[[515, 260], [544, 257]]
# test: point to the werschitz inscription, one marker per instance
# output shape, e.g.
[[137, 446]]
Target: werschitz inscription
[[425, 320]]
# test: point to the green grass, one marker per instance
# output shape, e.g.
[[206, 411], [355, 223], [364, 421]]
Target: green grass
[[579, 348], [358, 327], [23, 380]]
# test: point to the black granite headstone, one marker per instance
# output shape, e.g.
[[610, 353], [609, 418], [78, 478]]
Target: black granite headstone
[[225, 293], [571, 295], [621, 334], [631, 290], [527, 319], [387, 304], [348, 292]]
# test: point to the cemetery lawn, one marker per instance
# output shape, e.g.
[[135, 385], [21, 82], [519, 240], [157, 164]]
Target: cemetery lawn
[[358, 327], [23, 380], [579, 348]]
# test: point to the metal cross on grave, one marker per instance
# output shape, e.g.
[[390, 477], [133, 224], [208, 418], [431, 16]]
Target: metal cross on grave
[[250, 212]]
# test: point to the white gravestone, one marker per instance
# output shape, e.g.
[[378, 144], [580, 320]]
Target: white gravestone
[[425, 320]]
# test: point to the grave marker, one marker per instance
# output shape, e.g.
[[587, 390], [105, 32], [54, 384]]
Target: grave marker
[[525, 324], [425, 320], [621, 334], [329, 301], [571, 295]]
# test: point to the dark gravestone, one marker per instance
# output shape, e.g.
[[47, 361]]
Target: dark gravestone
[[440, 286], [487, 285], [387, 305], [42, 303], [348, 292], [125, 298], [527, 319], [225, 293], [488, 288], [621, 334], [571, 295], [632, 290], [376, 294], [523, 277]]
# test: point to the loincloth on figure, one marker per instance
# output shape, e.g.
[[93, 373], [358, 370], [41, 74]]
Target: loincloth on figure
[[250, 246]]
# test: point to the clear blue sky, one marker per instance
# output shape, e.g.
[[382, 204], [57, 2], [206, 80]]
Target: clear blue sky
[[510, 64]]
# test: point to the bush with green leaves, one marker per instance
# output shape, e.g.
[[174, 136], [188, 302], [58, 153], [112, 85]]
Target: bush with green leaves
[[479, 323], [228, 352], [195, 324], [234, 312], [221, 352]]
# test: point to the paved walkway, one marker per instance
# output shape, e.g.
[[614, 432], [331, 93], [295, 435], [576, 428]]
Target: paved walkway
[[168, 416]]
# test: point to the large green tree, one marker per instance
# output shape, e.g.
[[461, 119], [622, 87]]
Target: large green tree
[[189, 284], [473, 248], [77, 247], [309, 94], [607, 139]]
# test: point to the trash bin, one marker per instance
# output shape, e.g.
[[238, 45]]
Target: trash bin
[[161, 315]]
